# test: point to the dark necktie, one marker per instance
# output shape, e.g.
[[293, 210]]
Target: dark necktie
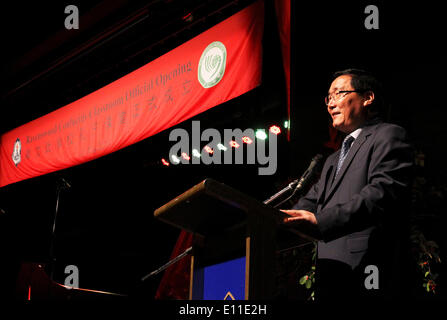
[[344, 151]]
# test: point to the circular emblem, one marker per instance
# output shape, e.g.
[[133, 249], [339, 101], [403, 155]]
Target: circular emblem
[[212, 64], [17, 152]]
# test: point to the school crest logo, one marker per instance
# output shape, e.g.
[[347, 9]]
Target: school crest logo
[[212, 64], [17, 152]]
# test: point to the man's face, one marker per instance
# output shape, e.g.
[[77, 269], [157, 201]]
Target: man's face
[[347, 110]]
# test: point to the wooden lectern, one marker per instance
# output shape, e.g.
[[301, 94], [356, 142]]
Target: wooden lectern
[[228, 226]]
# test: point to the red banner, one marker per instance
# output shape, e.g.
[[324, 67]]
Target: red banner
[[216, 66]]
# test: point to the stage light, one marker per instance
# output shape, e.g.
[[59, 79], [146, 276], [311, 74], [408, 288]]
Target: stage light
[[234, 144], [196, 153], [188, 18], [260, 134], [247, 140], [175, 159], [275, 130], [165, 162], [220, 146], [286, 124], [208, 149], [185, 156]]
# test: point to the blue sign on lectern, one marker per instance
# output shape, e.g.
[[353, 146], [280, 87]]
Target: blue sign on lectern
[[222, 281]]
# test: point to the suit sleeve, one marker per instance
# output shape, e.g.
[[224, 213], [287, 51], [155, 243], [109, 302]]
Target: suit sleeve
[[309, 201], [389, 177]]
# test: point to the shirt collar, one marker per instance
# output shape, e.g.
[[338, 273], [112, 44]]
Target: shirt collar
[[355, 133]]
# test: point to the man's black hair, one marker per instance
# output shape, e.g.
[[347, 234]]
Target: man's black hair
[[363, 81]]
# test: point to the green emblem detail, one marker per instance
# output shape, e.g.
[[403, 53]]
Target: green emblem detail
[[212, 64]]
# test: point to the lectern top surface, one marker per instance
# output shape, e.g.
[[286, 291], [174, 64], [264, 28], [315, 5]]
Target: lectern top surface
[[208, 207]]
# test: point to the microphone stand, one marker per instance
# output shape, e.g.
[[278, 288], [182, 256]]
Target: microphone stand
[[168, 264], [291, 186], [297, 184], [60, 185]]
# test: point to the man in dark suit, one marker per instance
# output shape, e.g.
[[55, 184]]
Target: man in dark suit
[[356, 210]]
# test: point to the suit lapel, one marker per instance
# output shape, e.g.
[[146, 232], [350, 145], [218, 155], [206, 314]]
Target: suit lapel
[[329, 177], [366, 132], [330, 181]]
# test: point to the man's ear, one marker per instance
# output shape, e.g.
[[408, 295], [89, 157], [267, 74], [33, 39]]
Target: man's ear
[[369, 98]]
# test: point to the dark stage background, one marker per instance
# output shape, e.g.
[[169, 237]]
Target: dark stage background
[[105, 224]]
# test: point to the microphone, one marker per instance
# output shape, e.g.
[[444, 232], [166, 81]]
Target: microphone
[[298, 183], [309, 173], [63, 184]]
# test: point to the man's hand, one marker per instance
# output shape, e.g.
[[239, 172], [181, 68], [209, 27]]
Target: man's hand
[[304, 221]]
